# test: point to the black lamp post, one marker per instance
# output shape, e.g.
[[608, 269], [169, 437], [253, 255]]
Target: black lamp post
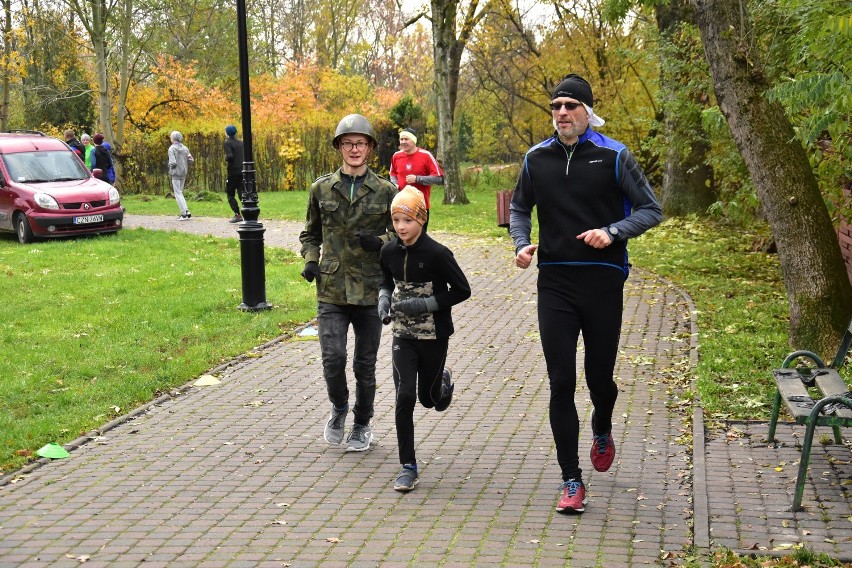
[[250, 229]]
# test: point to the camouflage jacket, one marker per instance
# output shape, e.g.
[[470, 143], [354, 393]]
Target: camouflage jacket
[[348, 273]]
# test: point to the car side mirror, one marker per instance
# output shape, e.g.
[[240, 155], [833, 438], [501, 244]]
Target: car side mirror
[[98, 173]]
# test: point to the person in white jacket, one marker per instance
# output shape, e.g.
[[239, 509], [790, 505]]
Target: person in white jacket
[[179, 160]]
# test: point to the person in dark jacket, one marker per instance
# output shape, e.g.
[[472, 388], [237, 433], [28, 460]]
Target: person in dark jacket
[[591, 197], [102, 158], [421, 280], [75, 144], [233, 147], [347, 222]]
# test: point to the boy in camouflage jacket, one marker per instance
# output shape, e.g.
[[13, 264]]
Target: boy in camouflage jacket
[[347, 222]]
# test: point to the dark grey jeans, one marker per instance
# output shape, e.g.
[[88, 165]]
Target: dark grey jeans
[[333, 322]]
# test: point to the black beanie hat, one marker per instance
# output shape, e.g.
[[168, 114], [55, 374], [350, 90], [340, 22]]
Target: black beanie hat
[[575, 87]]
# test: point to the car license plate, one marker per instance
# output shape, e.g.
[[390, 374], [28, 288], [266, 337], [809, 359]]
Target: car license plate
[[88, 219]]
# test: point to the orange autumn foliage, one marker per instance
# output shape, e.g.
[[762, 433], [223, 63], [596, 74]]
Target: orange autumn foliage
[[174, 96], [293, 118]]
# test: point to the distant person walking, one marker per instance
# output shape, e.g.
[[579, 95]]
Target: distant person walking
[[102, 158], [76, 145], [233, 147], [416, 167], [591, 197], [421, 282], [88, 148], [179, 160], [347, 222]]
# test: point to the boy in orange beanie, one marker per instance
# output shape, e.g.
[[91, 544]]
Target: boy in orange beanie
[[421, 281]]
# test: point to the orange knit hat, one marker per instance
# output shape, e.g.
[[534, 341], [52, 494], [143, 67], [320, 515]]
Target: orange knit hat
[[410, 201]]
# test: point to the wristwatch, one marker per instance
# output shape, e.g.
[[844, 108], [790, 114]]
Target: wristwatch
[[612, 230]]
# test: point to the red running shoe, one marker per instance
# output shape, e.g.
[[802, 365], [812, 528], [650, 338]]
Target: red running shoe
[[602, 452], [573, 498]]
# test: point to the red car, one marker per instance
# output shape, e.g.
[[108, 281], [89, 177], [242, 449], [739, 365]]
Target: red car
[[47, 191]]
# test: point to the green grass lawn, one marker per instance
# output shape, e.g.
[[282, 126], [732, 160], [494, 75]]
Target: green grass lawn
[[741, 309], [97, 326]]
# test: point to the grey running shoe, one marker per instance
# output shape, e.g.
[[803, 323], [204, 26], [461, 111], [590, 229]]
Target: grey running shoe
[[359, 438], [406, 480], [334, 427]]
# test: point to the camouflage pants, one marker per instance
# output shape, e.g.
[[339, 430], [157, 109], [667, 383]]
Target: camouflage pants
[[333, 322]]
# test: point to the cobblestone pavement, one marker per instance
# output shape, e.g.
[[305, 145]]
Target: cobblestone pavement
[[238, 474]]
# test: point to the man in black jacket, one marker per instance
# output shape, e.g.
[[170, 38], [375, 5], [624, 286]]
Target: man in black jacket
[[234, 157], [75, 144], [590, 196]]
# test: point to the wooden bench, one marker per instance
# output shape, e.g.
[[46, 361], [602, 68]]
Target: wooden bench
[[831, 404]]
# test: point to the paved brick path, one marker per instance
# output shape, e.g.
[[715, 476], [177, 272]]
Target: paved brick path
[[238, 474]]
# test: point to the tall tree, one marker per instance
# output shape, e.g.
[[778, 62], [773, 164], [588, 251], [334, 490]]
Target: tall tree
[[687, 177], [94, 16], [117, 30], [811, 54], [511, 78], [201, 33], [818, 289], [335, 26], [7, 66], [55, 84], [447, 51]]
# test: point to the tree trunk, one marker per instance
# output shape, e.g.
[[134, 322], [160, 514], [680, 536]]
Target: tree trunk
[[124, 73], [94, 16], [818, 291], [447, 50], [97, 33], [687, 177], [687, 181], [7, 65]]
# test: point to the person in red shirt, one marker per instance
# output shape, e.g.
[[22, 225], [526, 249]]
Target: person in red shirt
[[415, 166]]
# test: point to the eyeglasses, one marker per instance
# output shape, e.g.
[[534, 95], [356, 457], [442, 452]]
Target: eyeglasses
[[347, 145], [569, 106]]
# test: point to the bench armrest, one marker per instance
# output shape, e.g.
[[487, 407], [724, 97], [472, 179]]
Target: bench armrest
[[808, 354]]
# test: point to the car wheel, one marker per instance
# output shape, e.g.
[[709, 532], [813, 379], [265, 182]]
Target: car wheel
[[22, 228]]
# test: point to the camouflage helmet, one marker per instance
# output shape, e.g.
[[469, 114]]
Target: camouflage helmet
[[354, 124]]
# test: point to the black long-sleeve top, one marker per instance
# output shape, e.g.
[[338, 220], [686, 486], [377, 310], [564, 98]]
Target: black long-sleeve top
[[593, 184], [425, 268]]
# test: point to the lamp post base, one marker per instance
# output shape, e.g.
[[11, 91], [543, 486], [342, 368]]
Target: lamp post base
[[252, 263], [260, 307]]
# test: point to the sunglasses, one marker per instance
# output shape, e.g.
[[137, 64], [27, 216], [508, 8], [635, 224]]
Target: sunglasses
[[569, 106]]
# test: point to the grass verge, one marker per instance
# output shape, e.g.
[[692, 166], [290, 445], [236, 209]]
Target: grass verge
[[98, 326], [740, 308]]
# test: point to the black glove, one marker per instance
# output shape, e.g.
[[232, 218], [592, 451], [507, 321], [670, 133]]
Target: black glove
[[311, 271], [369, 242], [384, 308], [413, 306]]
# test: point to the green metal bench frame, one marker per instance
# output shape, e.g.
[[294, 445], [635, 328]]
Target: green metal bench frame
[[792, 384]]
